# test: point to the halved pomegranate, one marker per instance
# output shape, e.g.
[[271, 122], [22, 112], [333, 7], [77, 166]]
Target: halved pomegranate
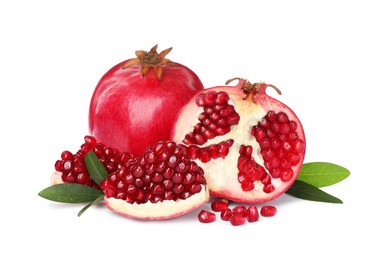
[[162, 183], [259, 141], [135, 103]]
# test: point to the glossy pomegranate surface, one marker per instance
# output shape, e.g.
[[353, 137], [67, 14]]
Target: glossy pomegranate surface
[[136, 102], [259, 141]]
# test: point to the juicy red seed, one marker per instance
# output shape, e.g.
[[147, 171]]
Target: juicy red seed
[[195, 188], [268, 188], [282, 117], [247, 186], [67, 165], [233, 119], [69, 177], [286, 175], [206, 216], [239, 209], [237, 219], [222, 98], [210, 98], [226, 214], [90, 140], [67, 155], [219, 205], [199, 100], [58, 166], [83, 178], [268, 211], [252, 214]]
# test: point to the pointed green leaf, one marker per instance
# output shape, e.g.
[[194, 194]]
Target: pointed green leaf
[[321, 174], [307, 191], [96, 201], [95, 168], [70, 193]]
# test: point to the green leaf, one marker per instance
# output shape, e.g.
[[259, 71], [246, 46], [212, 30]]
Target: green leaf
[[321, 174], [70, 193], [96, 201], [95, 168], [306, 191]]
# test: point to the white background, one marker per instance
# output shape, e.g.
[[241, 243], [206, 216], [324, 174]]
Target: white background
[[54, 52]]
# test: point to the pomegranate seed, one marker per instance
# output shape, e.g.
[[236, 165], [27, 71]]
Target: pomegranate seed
[[239, 209], [226, 214], [219, 205], [67, 155], [206, 216], [237, 219], [222, 98], [268, 211], [252, 214]]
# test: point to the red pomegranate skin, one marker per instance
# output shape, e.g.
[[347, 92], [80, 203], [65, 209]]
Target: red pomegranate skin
[[129, 111]]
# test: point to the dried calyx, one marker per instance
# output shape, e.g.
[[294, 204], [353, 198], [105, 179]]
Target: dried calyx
[[149, 60]]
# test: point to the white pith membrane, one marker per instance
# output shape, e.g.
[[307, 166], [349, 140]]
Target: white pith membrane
[[165, 209], [222, 173], [56, 178]]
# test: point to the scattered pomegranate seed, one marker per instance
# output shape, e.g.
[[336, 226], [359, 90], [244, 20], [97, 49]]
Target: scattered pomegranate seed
[[237, 218], [252, 214], [239, 209], [226, 214], [268, 211], [219, 205], [206, 216]]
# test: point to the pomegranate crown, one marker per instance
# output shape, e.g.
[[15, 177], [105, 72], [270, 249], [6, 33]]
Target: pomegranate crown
[[149, 60], [251, 89]]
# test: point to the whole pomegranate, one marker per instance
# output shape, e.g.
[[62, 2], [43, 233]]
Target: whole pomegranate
[[136, 102], [250, 145]]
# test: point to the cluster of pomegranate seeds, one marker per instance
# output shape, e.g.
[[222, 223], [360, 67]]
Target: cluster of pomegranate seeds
[[281, 149], [72, 166], [250, 171], [237, 215], [163, 172], [214, 151], [216, 120]]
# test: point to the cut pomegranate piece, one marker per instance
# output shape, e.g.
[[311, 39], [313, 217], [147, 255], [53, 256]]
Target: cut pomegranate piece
[[162, 183], [262, 140]]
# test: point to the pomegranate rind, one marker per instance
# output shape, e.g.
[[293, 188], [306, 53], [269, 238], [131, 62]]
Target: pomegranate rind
[[165, 209]]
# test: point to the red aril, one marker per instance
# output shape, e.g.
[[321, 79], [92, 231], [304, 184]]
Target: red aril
[[219, 205], [136, 102], [237, 218], [226, 214], [268, 211], [250, 145], [162, 183], [252, 214], [206, 216]]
